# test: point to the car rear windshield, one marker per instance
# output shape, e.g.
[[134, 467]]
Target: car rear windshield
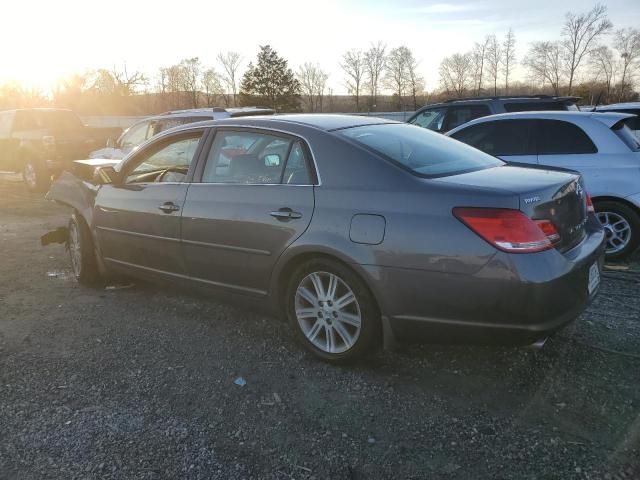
[[421, 151], [625, 134]]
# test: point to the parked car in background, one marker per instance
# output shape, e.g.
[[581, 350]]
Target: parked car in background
[[442, 117], [41, 142], [143, 130], [598, 145], [632, 108], [356, 229]]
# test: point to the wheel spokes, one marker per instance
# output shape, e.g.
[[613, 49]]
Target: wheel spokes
[[328, 313]]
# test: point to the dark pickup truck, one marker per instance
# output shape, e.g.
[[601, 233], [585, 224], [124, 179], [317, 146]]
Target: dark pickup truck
[[42, 142]]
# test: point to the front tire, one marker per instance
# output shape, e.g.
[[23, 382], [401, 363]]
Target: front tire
[[35, 175], [332, 311], [622, 228], [82, 252]]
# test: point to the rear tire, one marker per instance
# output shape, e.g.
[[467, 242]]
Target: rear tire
[[622, 228], [35, 175], [82, 252], [330, 308]]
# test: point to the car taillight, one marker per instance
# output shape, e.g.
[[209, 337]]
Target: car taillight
[[590, 208], [549, 229], [509, 230]]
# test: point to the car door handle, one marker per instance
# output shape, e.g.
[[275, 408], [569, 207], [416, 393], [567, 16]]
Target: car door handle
[[169, 207], [285, 214]]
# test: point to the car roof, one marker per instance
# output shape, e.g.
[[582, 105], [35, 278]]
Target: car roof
[[502, 98], [609, 119], [613, 106], [38, 109], [214, 113], [321, 121]]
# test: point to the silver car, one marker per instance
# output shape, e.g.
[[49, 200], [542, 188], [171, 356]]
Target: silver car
[[598, 145]]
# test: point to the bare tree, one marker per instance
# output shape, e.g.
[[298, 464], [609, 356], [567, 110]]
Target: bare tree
[[544, 62], [353, 64], [312, 85], [230, 62], [508, 57], [415, 80], [191, 78], [494, 57], [455, 73], [478, 59], [627, 43], [212, 86], [603, 64], [374, 63], [580, 34], [396, 77]]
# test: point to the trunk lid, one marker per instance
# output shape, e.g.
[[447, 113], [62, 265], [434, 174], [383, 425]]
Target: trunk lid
[[544, 194]]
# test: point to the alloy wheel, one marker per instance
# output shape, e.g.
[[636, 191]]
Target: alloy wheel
[[617, 230], [328, 312]]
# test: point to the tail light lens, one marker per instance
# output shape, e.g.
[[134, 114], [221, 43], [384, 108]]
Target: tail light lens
[[590, 208], [509, 230]]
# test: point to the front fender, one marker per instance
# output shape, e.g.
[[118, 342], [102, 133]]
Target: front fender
[[69, 190]]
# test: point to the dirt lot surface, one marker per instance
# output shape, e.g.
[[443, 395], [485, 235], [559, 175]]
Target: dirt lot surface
[[139, 383]]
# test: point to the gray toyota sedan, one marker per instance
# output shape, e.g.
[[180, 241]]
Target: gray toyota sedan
[[357, 230]]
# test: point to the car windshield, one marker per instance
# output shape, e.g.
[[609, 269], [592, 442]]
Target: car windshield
[[423, 152]]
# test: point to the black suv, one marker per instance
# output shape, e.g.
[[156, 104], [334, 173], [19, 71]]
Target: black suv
[[442, 117]]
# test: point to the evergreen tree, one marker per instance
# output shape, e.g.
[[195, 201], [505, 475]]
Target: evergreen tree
[[272, 81]]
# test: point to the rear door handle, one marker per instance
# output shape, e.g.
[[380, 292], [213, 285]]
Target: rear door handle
[[285, 214], [169, 207]]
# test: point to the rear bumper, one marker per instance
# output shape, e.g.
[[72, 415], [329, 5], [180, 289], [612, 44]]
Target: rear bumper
[[512, 299]]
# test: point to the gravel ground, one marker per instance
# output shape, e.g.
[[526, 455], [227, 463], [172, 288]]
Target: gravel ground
[[139, 383]]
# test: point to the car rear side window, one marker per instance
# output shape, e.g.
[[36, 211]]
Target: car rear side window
[[534, 106], [624, 133], [256, 158], [421, 151], [501, 137], [558, 137], [457, 115]]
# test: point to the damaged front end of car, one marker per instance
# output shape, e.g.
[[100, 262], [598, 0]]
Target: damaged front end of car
[[77, 189]]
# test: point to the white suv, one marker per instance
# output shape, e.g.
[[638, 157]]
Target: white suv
[[143, 130], [598, 145]]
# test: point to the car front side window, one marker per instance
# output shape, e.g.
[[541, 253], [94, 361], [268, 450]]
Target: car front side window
[[500, 137], [457, 115], [168, 163]]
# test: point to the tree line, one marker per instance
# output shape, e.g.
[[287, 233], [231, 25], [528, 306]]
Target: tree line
[[577, 62], [376, 78]]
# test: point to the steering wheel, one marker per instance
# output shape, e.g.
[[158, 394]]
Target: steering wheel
[[166, 174]]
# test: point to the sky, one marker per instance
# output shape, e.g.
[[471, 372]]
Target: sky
[[42, 41]]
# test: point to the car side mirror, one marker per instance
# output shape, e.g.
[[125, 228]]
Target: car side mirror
[[272, 160], [105, 175]]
